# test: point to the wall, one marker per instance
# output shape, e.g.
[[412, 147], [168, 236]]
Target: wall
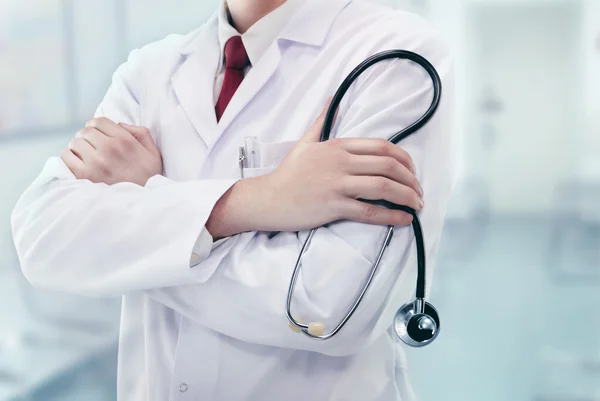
[[590, 141]]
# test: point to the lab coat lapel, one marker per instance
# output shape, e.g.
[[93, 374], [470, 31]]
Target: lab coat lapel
[[258, 76], [318, 15], [193, 82], [310, 26]]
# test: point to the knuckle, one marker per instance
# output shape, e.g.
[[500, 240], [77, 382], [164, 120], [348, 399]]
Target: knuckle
[[336, 142], [405, 218], [389, 164], [105, 169], [112, 148], [126, 142], [88, 130], [412, 198], [345, 187], [383, 146], [370, 212], [381, 184], [414, 183], [404, 153], [344, 160], [101, 167], [92, 123], [406, 158], [85, 132]]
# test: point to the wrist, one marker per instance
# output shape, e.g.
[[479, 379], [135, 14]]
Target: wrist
[[241, 209]]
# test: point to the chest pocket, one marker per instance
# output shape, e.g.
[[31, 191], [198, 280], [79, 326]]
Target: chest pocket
[[260, 158]]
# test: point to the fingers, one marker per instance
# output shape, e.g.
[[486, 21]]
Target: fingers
[[377, 147], [314, 132], [371, 214], [73, 162], [92, 136], [82, 149], [375, 188], [107, 127], [143, 136], [384, 166]]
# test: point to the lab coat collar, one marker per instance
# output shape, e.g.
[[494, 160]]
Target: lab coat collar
[[196, 37], [312, 21], [259, 36], [193, 82], [310, 25]]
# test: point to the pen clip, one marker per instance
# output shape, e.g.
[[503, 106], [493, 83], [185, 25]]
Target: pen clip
[[241, 158]]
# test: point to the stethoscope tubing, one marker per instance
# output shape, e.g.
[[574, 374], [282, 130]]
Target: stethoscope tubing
[[416, 224]]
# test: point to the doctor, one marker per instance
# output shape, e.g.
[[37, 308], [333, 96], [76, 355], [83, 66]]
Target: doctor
[[148, 203]]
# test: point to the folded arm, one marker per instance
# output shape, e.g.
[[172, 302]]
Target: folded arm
[[98, 239], [245, 297], [88, 224]]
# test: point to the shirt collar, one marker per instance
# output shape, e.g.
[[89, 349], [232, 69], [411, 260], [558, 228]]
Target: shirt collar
[[260, 35], [302, 28]]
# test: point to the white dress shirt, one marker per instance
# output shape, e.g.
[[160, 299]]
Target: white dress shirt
[[256, 41]]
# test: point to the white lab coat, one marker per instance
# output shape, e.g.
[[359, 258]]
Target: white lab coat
[[218, 331]]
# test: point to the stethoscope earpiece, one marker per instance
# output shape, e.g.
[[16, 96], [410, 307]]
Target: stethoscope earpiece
[[417, 323]]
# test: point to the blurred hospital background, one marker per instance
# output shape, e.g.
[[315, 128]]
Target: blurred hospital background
[[518, 279]]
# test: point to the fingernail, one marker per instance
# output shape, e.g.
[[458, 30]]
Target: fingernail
[[421, 203], [420, 191], [413, 168]]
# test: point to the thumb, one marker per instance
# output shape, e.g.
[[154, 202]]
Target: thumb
[[314, 132], [142, 135]]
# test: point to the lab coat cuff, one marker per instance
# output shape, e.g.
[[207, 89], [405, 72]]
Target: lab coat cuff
[[200, 199], [205, 241], [157, 181], [54, 169]]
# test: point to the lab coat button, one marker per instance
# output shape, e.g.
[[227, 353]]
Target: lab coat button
[[183, 388]]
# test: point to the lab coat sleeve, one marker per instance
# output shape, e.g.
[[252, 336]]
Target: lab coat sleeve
[[245, 297], [94, 239]]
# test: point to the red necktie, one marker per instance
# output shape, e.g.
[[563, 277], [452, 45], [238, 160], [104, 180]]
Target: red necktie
[[236, 61]]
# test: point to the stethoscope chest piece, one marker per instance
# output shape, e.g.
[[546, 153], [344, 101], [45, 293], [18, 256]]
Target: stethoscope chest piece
[[414, 328]]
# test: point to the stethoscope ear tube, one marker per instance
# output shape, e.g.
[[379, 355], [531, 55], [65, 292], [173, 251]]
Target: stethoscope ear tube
[[417, 322], [315, 329], [376, 58]]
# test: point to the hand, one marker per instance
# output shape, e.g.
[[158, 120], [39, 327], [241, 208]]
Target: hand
[[111, 153], [320, 182]]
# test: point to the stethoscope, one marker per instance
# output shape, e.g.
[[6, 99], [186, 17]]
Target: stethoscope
[[416, 323]]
